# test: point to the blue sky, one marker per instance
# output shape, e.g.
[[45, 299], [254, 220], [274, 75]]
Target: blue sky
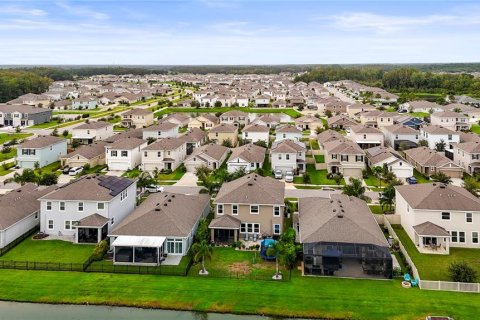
[[238, 32]]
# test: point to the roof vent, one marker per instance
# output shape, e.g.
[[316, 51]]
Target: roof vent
[[434, 184], [169, 200], [173, 196], [19, 190], [157, 209], [88, 178], [340, 215], [164, 204], [250, 184], [334, 210], [443, 186]]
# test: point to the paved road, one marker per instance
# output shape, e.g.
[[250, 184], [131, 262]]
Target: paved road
[[183, 189]]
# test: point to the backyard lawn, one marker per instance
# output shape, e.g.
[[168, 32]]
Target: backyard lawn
[[316, 177], [51, 168], [306, 297], [314, 144], [49, 251], [371, 180], [320, 158], [377, 209], [6, 137], [44, 125], [435, 267], [475, 128], [9, 155]]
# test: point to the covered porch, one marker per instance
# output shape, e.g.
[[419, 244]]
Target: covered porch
[[224, 229], [139, 250], [91, 229], [474, 168], [432, 239]]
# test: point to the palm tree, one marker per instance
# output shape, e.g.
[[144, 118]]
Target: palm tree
[[388, 197], [28, 175], [471, 185], [144, 179], [274, 251], [441, 177], [354, 188], [202, 250], [378, 172]]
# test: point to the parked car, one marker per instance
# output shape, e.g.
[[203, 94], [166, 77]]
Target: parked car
[[328, 189], [278, 174], [154, 188], [74, 171], [289, 176], [412, 180], [66, 170]]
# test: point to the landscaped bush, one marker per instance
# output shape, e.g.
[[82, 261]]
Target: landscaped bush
[[462, 272], [100, 250]]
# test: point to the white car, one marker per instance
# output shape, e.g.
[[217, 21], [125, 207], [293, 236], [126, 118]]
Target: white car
[[74, 171], [154, 188], [278, 174], [289, 176]]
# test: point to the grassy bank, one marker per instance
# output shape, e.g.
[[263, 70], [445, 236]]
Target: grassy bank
[[306, 297]]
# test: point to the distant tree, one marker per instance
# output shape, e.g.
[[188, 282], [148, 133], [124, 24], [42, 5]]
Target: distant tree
[[306, 178], [328, 113], [218, 104], [28, 175], [65, 133], [54, 132]]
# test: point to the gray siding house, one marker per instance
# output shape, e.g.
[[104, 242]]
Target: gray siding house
[[83, 211], [23, 115], [42, 149]]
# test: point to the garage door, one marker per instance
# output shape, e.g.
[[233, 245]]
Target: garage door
[[352, 172], [452, 173], [403, 172], [152, 166], [191, 167], [76, 163], [118, 166]]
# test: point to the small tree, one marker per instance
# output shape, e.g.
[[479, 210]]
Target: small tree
[[441, 177], [18, 129], [201, 251], [306, 178], [462, 272], [54, 132], [48, 179], [328, 113], [354, 188], [28, 175], [471, 185], [440, 146], [150, 140], [337, 178], [227, 143], [202, 231], [423, 143], [65, 133], [274, 251]]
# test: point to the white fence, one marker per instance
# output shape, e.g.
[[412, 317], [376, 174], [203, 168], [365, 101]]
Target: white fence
[[429, 284]]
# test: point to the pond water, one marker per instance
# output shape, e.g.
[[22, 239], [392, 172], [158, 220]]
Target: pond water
[[31, 311]]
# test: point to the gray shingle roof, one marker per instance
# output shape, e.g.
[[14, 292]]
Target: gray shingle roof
[[41, 142], [430, 229], [250, 153]]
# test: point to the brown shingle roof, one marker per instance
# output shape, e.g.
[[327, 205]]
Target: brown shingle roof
[[41, 142], [430, 229], [250, 153], [256, 128], [212, 150], [287, 146], [94, 125], [194, 135], [287, 129], [427, 157], [127, 143], [93, 220], [166, 144], [89, 151], [137, 112], [224, 127], [225, 222]]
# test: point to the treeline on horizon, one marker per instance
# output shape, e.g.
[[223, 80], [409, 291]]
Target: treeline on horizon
[[400, 80]]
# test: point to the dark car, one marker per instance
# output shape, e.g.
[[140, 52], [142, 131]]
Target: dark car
[[411, 180], [66, 170]]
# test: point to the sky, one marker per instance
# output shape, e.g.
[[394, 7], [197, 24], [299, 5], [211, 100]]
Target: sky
[[201, 32]]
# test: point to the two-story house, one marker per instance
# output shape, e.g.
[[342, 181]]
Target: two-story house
[[222, 132], [84, 210], [19, 115], [180, 119], [437, 216], [288, 155], [345, 157], [161, 130], [467, 155], [248, 157], [137, 118], [365, 137], [249, 208], [256, 132], [43, 150], [84, 103], [341, 122], [436, 134], [380, 156], [92, 131], [210, 155], [287, 131], [400, 136], [269, 120], [308, 122], [164, 154], [451, 120], [124, 154], [234, 117], [194, 138]]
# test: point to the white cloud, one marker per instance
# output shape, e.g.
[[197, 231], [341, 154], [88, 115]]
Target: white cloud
[[82, 11], [22, 11]]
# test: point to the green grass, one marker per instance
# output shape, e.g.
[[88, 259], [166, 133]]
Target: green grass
[[44, 125], [325, 123], [475, 128], [377, 209], [77, 111], [6, 168], [51, 168], [267, 166], [8, 155], [371, 180], [305, 297], [433, 266], [316, 177], [6, 137], [49, 251], [420, 177], [314, 144], [291, 112], [177, 174], [419, 114], [132, 174], [119, 128], [95, 169], [320, 158]]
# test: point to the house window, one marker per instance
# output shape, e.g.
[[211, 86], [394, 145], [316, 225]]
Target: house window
[[50, 225], [276, 228], [175, 246], [454, 235], [219, 208], [449, 137], [68, 225], [159, 154], [334, 156], [359, 158], [49, 206], [469, 217], [276, 211], [62, 206], [112, 220], [100, 206], [461, 237], [123, 195], [80, 206], [145, 154], [234, 209], [124, 153], [279, 157], [113, 153], [254, 209], [344, 158], [284, 135], [364, 136], [474, 237], [445, 215], [242, 228], [36, 216], [287, 156]]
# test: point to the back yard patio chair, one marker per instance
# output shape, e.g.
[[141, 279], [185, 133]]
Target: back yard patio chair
[[407, 277]]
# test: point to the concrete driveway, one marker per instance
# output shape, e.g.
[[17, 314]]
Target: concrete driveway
[[189, 179]]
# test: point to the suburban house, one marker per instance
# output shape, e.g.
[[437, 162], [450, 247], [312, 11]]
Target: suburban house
[[84, 103], [234, 117], [84, 210], [327, 136], [287, 131], [248, 157], [467, 155], [164, 154], [288, 155], [137, 118], [92, 131], [43, 150], [421, 106], [437, 216], [180, 119], [428, 162], [194, 138], [408, 121], [92, 154], [345, 157], [308, 122], [222, 132], [341, 122], [20, 211], [249, 208], [354, 109], [19, 115], [399, 136], [210, 155], [124, 154], [340, 237], [32, 99], [436, 134], [380, 156], [204, 121], [256, 132], [280, 103], [451, 120], [365, 137], [160, 231], [269, 120], [376, 118], [161, 130]]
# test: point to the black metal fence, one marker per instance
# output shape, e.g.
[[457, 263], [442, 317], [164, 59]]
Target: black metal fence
[[108, 267], [37, 265]]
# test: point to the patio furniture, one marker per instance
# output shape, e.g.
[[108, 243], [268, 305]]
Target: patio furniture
[[254, 238], [414, 282], [407, 277]]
